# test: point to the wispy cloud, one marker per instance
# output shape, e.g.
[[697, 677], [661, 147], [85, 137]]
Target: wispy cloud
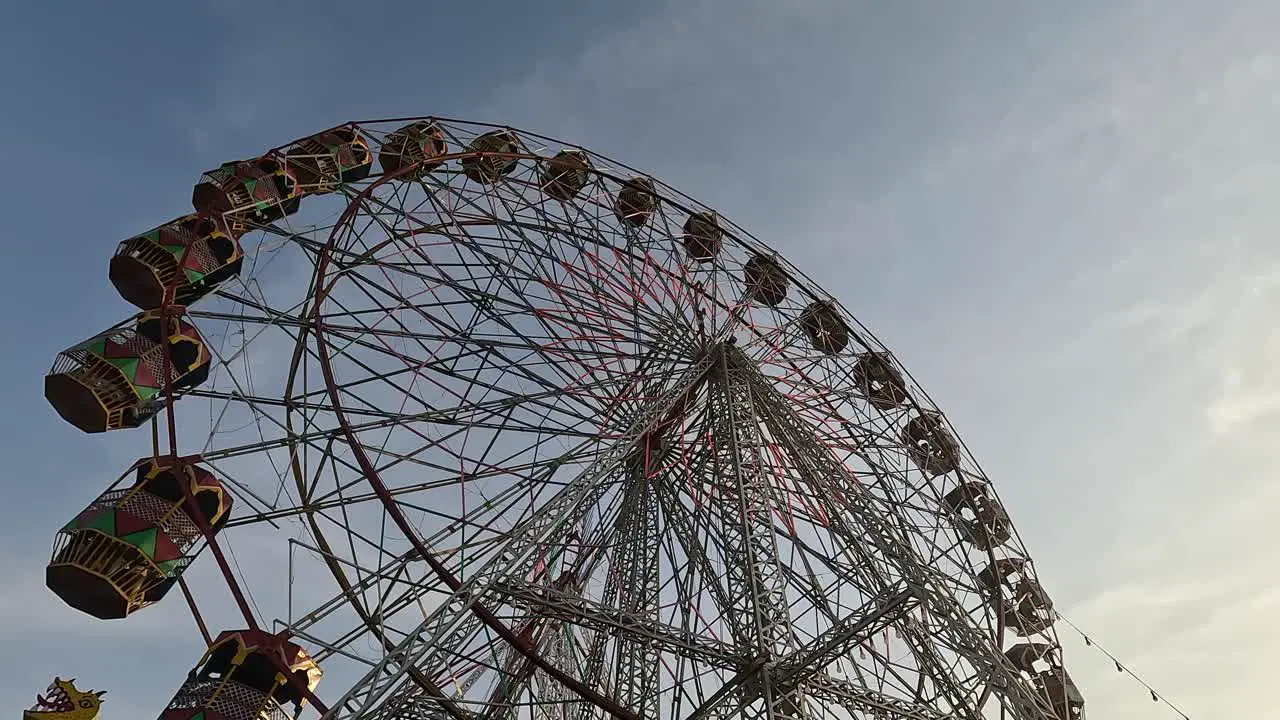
[[1062, 219]]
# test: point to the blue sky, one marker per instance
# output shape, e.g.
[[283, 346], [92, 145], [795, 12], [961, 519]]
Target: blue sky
[[1059, 215]]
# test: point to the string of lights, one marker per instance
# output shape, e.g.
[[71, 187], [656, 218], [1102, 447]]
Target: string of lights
[[1120, 667]]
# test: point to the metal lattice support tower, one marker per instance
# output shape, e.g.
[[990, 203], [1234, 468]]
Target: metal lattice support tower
[[636, 572]]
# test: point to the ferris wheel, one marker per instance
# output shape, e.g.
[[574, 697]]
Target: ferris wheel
[[500, 428]]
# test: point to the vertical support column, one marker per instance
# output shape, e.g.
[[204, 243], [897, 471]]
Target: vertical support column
[[746, 519], [636, 572]]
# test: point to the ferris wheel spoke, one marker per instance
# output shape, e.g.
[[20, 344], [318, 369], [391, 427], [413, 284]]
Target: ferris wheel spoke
[[322, 611], [843, 425], [480, 406], [919, 507], [532, 250], [262, 402], [497, 508], [525, 368]]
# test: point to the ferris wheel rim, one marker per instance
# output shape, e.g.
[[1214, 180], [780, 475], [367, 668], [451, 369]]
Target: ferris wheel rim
[[919, 400]]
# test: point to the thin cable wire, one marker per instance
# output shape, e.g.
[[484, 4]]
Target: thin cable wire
[[1155, 696]]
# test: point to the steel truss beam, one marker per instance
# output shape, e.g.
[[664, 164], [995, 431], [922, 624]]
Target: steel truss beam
[[778, 677], [382, 693]]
